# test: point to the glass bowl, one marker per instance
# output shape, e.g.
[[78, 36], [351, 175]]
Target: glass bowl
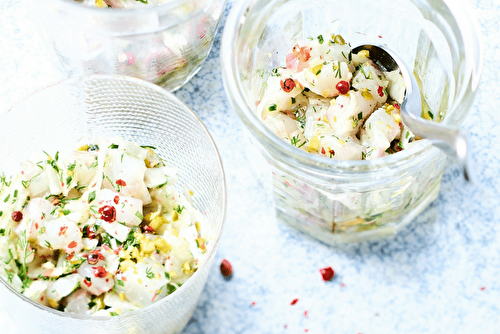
[[55, 119], [165, 44], [341, 201]]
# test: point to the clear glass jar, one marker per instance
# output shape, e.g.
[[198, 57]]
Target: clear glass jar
[[164, 44], [339, 201]]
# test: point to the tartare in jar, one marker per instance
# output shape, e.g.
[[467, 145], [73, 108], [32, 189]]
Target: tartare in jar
[[101, 230], [334, 103]]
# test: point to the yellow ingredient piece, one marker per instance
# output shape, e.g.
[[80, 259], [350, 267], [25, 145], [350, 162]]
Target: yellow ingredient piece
[[124, 254], [175, 216], [53, 303], [397, 118], [201, 243], [158, 221], [146, 161], [197, 225], [366, 94], [83, 148], [147, 246], [314, 144], [315, 66], [100, 3], [339, 39], [127, 264], [186, 268], [162, 245], [135, 253], [364, 53]]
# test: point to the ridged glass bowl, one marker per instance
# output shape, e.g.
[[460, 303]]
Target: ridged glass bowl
[[341, 201], [55, 119]]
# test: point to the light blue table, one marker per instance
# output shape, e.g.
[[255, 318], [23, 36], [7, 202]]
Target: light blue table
[[439, 275]]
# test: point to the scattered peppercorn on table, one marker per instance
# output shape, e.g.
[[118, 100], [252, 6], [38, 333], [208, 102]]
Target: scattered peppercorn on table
[[438, 275]]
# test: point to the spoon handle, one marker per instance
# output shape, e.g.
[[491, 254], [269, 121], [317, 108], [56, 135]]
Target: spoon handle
[[452, 141]]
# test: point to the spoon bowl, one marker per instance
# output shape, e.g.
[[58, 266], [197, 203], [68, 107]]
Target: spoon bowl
[[451, 140]]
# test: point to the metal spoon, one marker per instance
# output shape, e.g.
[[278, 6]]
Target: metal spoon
[[452, 141]]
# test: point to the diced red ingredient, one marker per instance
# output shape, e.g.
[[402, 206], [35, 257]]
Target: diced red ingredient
[[302, 53], [148, 229], [306, 314], [323, 150], [287, 85], [87, 283], [108, 213], [116, 199], [130, 58], [117, 251], [94, 257], [62, 230], [293, 302], [90, 232], [396, 105], [327, 273], [120, 182], [17, 216], [332, 152], [226, 268], [380, 91], [342, 87], [100, 271], [72, 244]]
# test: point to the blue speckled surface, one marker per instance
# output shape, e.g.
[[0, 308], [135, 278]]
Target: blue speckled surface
[[439, 275]]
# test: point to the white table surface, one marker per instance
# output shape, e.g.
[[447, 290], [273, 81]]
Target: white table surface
[[439, 275]]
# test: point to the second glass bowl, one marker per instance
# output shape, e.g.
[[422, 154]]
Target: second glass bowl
[[164, 44]]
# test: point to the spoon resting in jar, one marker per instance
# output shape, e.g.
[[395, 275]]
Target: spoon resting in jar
[[452, 141]]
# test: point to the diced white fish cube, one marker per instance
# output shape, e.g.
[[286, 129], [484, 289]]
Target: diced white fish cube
[[63, 287], [128, 209], [61, 233], [144, 283]]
